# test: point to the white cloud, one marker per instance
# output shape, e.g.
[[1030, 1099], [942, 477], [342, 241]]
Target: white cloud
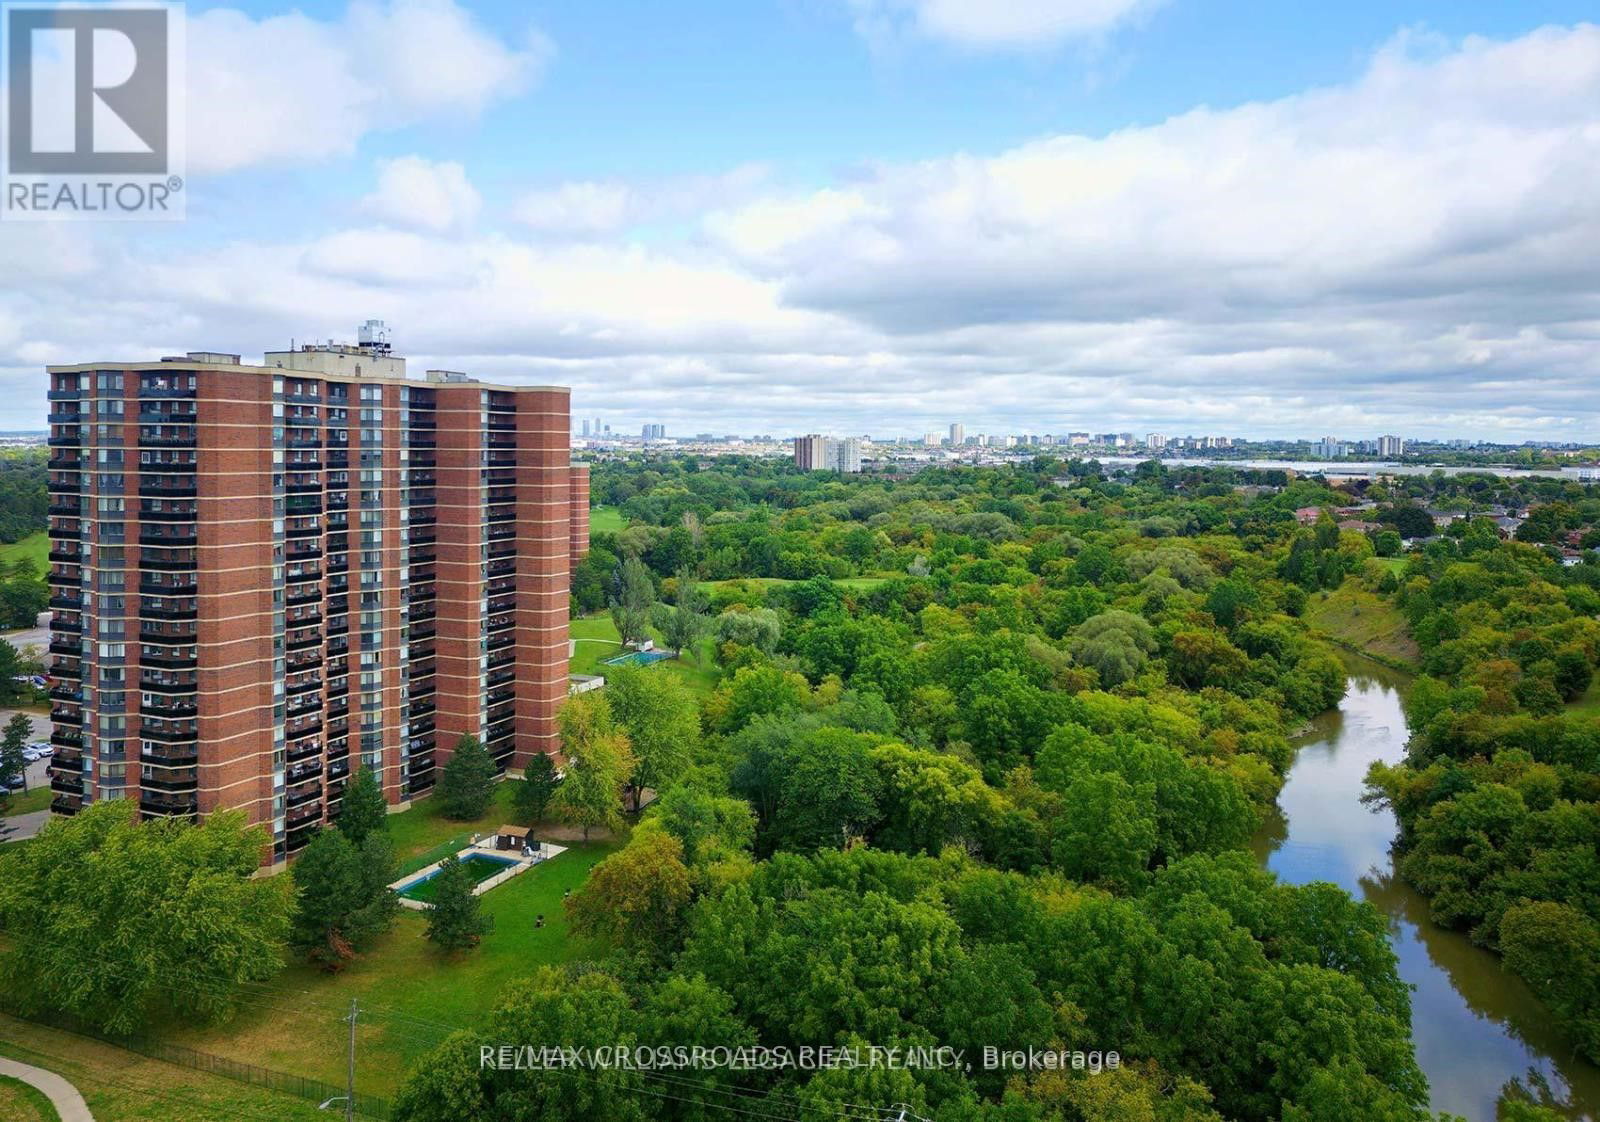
[[291, 89], [416, 192], [1413, 250], [576, 211], [996, 24]]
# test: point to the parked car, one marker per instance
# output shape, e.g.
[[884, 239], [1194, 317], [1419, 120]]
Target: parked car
[[17, 784], [44, 747]]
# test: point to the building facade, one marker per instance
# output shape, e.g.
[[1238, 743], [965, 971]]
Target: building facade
[[811, 452], [263, 577]]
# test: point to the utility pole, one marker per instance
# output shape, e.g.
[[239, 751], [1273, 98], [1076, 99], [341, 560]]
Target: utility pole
[[350, 1069]]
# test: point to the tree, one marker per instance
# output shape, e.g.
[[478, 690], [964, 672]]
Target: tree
[[599, 761], [688, 621], [184, 901], [637, 897], [532, 796], [1555, 947], [362, 811], [708, 826], [343, 897], [467, 786], [1116, 643], [758, 628], [662, 723], [455, 916], [12, 765], [632, 593]]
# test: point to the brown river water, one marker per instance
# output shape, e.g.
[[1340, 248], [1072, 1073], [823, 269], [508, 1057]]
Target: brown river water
[[1477, 1028]]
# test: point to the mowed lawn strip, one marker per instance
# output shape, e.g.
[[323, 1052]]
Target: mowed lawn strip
[[122, 1086]]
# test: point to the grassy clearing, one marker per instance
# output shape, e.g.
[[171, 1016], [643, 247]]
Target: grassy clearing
[[25, 802], [21, 1103], [120, 1086], [598, 640], [34, 547], [1590, 701], [411, 994], [606, 519], [1363, 621], [424, 826]]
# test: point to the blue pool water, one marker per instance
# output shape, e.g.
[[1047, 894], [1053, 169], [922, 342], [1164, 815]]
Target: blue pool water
[[637, 658]]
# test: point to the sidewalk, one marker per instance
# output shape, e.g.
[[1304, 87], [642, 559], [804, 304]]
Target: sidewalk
[[62, 1095]]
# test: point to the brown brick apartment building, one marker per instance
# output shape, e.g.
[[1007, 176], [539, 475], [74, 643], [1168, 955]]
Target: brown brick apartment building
[[262, 576]]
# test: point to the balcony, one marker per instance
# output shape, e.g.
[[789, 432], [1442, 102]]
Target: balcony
[[65, 692], [167, 539], [173, 710], [67, 805], [169, 660], [181, 587], [302, 772], [162, 805], [171, 755], [66, 783], [169, 779], [184, 489], [167, 685], [304, 814], [67, 717], [169, 634], [299, 796], [186, 735], [303, 750], [66, 647]]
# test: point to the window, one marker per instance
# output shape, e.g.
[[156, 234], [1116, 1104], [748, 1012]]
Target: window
[[115, 650]]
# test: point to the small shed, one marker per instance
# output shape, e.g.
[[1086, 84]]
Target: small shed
[[511, 837]]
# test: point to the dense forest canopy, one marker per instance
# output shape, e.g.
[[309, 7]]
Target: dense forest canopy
[[980, 768]]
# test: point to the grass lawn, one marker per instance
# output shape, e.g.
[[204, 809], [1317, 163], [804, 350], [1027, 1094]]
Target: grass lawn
[[424, 827], [19, 1102], [1364, 621], [858, 583], [25, 802], [1589, 702], [34, 547], [120, 1086], [411, 994], [598, 640], [606, 519]]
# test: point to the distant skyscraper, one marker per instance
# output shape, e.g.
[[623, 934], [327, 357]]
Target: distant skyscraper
[[654, 432], [1391, 446], [1155, 441], [811, 452], [957, 433], [930, 440], [585, 428], [845, 455]]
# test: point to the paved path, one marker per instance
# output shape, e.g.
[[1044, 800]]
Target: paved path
[[19, 827], [62, 1095]]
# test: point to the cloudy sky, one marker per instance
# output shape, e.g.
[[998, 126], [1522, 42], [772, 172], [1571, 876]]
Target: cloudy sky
[[880, 216]]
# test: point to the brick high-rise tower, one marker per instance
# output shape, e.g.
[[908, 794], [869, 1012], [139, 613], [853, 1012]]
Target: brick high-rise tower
[[262, 575]]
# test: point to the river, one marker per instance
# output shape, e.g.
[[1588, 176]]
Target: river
[[1476, 1027]]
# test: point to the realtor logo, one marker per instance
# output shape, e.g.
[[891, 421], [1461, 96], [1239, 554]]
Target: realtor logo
[[92, 123]]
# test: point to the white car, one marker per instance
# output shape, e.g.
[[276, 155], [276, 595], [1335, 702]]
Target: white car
[[37, 752], [43, 747]]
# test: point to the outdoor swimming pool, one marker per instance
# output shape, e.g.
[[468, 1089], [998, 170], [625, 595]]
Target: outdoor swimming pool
[[637, 658], [483, 867]]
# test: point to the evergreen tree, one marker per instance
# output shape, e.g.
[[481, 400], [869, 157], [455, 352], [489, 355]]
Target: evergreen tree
[[632, 594], [467, 787], [363, 811], [538, 786], [343, 897], [455, 920]]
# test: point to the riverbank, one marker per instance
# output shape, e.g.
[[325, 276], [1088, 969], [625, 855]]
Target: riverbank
[[1478, 1030]]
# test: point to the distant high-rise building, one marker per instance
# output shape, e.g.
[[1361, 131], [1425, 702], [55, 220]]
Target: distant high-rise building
[[654, 432], [811, 452], [1155, 441], [957, 433], [1328, 448], [930, 439], [1390, 447], [844, 455], [585, 428]]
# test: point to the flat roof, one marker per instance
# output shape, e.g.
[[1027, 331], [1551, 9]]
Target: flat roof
[[201, 363]]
